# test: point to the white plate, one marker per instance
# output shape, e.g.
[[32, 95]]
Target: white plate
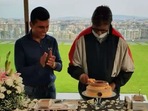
[[84, 93], [56, 106]]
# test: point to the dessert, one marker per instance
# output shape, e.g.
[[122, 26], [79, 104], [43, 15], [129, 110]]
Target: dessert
[[138, 98], [91, 80], [44, 103], [98, 88]]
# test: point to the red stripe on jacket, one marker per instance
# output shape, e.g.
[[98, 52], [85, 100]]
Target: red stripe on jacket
[[71, 52], [87, 31], [115, 32]]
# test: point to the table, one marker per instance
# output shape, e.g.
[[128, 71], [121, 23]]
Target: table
[[106, 105], [81, 105], [76, 103], [77, 96]]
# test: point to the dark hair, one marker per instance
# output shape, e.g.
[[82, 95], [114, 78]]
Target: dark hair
[[102, 14], [39, 13]]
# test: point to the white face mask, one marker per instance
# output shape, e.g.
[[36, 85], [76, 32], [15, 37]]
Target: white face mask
[[100, 36]]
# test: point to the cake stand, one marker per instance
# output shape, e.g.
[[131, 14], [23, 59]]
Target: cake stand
[[97, 99], [84, 94]]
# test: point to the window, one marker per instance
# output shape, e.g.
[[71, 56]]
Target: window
[[68, 19]]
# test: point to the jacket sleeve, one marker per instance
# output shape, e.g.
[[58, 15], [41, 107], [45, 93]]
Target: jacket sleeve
[[76, 57], [127, 66], [58, 58], [75, 71], [122, 78]]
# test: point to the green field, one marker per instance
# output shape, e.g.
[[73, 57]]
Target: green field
[[65, 83]]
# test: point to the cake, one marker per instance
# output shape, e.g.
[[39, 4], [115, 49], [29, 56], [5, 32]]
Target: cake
[[138, 98], [44, 103], [98, 88]]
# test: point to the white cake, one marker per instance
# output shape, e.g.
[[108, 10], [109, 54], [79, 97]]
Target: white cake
[[98, 88]]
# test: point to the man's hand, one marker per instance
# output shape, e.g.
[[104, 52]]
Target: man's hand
[[84, 78], [113, 85], [51, 60], [43, 59]]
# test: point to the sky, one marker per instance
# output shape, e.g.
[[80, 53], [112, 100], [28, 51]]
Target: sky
[[70, 8]]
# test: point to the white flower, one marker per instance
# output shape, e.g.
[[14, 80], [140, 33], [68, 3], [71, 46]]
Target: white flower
[[11, 90], [21, 86], [2, 89], [8, 92], [17, 79], [2, 96], [9, 81], [18, 89]]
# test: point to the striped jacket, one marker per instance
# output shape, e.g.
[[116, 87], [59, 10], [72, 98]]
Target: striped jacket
[[110, 60]]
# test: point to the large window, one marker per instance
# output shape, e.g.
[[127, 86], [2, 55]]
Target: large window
[[68, 19], [11, 19]]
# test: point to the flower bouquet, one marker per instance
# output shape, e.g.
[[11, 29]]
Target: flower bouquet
[[11, 89]]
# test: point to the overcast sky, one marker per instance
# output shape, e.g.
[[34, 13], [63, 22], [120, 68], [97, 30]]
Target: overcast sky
[[79, 8]]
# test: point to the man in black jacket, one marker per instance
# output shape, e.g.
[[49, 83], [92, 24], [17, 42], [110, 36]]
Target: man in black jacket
[[100, 52], [37, 57]]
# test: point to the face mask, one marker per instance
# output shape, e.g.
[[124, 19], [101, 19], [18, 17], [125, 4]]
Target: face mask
[[100, 36], [103, 35]]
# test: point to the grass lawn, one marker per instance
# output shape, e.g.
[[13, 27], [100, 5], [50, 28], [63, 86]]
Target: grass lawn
[[65, 83]]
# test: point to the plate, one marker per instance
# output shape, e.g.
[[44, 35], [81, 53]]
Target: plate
[[84, 93], [55, 106]]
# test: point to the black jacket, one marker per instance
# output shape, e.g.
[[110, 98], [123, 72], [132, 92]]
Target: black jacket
[[27, 56], [109, 60]]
